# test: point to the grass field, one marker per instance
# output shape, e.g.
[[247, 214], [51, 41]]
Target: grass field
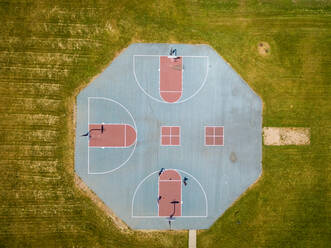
[[48, 51]]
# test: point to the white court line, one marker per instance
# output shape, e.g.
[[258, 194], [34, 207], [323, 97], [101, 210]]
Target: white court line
[[171, 126], [183, 77], [158, 55], [175, 91], [158, 195], [88, 126], [134, 146], [147, 216], [168, 180], [162, 217], [125, 135], [110, 123], [162, 101], [171, 145], [160, 79], [181, 196]]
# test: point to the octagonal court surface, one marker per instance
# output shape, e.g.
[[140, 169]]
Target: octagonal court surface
[[168, 140]]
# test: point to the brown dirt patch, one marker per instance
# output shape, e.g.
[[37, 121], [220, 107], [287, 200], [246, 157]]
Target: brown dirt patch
[[276, 136], [263, 48]]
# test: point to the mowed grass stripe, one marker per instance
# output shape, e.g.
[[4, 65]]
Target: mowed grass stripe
[[22, 137], [35, 167], [11, 151], [28, 89], [13, 105], [31, 120]]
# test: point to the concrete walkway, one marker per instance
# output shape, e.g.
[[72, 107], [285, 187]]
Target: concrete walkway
[[192, 239]]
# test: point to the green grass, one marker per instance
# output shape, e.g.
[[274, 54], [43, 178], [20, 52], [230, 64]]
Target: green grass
[[48, 51]]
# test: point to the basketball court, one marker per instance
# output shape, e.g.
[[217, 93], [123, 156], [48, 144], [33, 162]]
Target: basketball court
[[157, 133]]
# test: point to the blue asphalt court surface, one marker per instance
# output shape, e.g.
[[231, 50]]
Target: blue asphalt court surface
[[128, 92]]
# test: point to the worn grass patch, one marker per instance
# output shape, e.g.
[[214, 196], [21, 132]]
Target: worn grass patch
[[280, 136]]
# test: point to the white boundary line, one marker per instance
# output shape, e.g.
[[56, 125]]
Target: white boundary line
[[183, 77], [125, 135], [158, 100], [168, 180], [171, 91], [158, 194], [157, 55], [213, 135], [108, 147], [110, 123], [170, 135], [160, 80], [181, 196], [88, 124], [151, 216], [162, 217]]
